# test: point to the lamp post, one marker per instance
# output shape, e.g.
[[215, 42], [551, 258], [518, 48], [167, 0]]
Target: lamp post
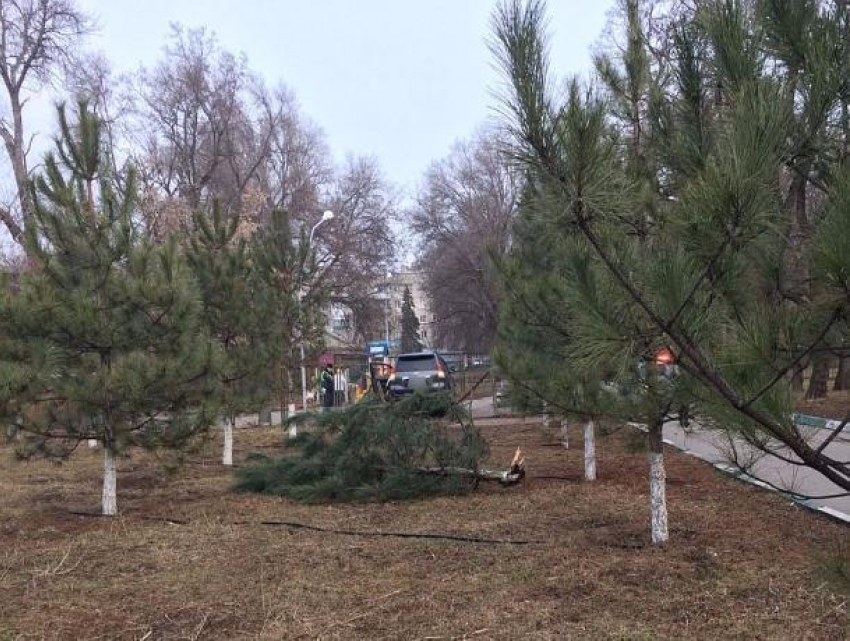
[[327, 216], [387, 314]]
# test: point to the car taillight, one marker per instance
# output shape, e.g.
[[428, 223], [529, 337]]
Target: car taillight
[[441, 371], [664, 357]]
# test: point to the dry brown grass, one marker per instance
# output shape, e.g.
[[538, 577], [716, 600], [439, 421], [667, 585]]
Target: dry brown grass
[[741, 562]]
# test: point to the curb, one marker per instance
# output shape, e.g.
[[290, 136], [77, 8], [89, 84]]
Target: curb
[[817, 421]]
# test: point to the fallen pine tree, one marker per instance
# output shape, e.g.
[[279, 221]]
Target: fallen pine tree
[[514, 474], [380, 452]]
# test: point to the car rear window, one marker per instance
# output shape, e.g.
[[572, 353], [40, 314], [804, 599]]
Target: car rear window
[[415, 363]]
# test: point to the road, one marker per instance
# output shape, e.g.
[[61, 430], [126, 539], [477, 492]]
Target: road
[[714, 447]]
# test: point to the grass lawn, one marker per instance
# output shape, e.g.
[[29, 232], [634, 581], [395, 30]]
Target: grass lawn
[[742, 563]]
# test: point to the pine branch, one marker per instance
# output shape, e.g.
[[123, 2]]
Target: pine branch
[[834, 434], [797, 360]]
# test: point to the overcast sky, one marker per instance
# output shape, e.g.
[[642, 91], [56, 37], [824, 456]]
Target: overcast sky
[[397, 79]]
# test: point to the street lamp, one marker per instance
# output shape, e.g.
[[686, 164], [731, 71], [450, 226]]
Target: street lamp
[[327, 216]]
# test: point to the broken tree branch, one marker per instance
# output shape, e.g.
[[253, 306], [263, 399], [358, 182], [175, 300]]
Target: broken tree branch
[[514, 474]]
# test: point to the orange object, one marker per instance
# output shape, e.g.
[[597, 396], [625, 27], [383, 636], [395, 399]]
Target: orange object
[[664, 357]]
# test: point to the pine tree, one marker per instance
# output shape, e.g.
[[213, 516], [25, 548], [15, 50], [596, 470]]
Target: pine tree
[[238, 313], [411, 341], [374, 452], [295, 291], [102, 339], [709, 278], [534, 337]]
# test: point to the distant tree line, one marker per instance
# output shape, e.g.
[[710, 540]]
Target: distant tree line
[[463, 211], [199, 126]]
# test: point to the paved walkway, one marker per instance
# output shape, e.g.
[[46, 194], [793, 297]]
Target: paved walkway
[[715, 447]]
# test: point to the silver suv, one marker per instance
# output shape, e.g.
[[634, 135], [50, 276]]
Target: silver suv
[[420, 372]]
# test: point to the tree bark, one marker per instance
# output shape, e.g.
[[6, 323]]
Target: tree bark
[[293, 429], [842, 378], [227, 453], [797, 378], [657, 485], [820, 377], [565, 434], [14, 143], [589, 452], [110, 481]]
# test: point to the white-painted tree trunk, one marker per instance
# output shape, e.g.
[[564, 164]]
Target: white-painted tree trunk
[[290, 412], [227, 452], [589, 452], [110, 481], [565, 434], [657, 487]]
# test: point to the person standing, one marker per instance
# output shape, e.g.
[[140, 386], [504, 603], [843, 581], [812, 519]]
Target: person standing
[[328, 387]]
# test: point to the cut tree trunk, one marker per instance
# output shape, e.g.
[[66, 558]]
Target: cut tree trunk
[[589, 452], [110, 481], [819, 381], [842, 378], [227, 453], [514, 474], [565, 434], [657, 485]]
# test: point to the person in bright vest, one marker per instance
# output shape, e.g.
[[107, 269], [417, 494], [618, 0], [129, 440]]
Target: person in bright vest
[[326, 380]]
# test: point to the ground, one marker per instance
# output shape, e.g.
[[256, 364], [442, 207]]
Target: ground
[[741, 563], [836, 405]]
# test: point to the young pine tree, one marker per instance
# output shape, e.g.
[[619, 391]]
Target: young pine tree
[[563, 307], [411, 341], [102, 339], [294, 291], [238, 313], [737, 289], [534, 336]]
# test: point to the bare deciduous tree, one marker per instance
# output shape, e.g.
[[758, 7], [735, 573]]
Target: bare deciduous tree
[[198, 138], [37, 39], [298, 162], [207, 128], [359, 246], [463, 211]]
